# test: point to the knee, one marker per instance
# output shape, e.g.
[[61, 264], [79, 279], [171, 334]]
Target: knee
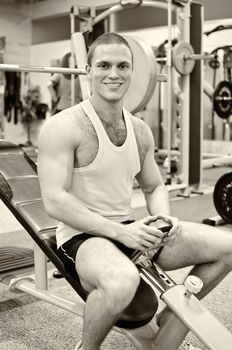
[[119, 288], [227, 261]]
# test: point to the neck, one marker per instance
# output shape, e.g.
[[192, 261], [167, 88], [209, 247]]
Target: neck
[[109, 112]]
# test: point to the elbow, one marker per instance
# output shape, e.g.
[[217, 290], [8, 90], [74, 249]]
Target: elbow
[[152, 190], [53, 206]]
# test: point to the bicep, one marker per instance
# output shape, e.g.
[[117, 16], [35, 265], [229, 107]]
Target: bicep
[[149, 176], [55, 162]]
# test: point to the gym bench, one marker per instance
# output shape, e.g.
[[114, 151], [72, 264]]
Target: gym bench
[[20, 192]]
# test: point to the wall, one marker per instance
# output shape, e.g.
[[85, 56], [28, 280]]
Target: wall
[[16, 27], [215, 10]]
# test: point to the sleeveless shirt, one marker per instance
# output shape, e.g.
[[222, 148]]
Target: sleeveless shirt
[[105, 185]]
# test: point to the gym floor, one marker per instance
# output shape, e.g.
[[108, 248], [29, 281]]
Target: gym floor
[[29, 323]]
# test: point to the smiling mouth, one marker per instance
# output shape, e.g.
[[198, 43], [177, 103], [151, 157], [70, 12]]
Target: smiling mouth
[[113, 85]]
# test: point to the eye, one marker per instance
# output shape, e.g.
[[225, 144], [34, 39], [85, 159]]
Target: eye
[[124, 66], [103, 65]]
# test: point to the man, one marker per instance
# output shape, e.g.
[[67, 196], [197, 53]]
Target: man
[[87, 163], [59, 86]]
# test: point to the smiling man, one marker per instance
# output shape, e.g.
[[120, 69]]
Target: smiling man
[[87, 163]]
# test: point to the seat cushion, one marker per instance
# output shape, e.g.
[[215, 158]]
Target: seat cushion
[[142, 308]]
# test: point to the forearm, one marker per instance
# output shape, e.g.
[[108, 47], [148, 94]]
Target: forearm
[[69, 210], [157, 201]]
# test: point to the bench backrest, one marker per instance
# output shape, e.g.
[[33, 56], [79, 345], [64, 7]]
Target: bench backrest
[[20, 192]]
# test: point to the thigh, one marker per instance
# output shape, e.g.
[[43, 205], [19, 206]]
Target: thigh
[[196, 244], [99, 259]]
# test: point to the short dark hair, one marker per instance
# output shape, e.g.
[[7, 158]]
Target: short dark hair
[[106, 39]]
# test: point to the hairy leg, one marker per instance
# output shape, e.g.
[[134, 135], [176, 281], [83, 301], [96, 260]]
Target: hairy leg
[[112, 280], [210, 251]]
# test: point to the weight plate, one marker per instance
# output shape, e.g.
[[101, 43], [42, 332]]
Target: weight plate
[[222, 197], [222, 99], [179, 52], [144, 75]]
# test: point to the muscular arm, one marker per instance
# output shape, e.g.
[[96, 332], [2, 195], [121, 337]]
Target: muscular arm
[[150, 179], [152, 185], [58, 140]]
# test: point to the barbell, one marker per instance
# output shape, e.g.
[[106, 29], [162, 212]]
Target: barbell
[[183, 57], [183, 60], [40, 69]]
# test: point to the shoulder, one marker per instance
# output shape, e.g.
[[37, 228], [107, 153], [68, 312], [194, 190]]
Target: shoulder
[[144, 137], [143, 134], [62, 128]]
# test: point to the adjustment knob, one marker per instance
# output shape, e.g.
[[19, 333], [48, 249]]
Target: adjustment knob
[[193, 284]]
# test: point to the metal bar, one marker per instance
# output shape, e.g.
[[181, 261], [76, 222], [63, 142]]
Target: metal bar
[[197, 318], [75, 306], [118, 8], [157, 277], [40, 69], [40, 259], [170, 93], [161, 59], [196, 57], [184, 16], [162, 77], [72, 82]]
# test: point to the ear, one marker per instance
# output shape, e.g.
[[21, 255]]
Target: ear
[[88, 69]]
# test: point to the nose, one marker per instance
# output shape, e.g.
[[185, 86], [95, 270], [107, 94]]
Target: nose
[[113, 72]]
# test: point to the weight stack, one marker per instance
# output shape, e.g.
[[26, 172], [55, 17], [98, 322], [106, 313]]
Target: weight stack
[[196, 98]]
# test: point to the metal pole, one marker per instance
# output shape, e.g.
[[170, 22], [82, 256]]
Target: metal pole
[[39, 69], [169, 67], [185, 86], [117, 8], [72, 29], [196, 57]]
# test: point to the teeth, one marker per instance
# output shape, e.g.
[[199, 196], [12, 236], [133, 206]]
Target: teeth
[[113, 85]]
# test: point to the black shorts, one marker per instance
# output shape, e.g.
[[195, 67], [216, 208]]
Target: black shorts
[[67, 251]]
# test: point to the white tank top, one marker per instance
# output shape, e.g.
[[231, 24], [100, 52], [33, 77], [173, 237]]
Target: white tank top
[[105, 185]]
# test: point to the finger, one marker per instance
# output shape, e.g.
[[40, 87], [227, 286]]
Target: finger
[[148, 219], [153, 231], [166, 218], [151, 245], [175, 229]]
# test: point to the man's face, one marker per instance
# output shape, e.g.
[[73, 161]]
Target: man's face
[[110, 72]]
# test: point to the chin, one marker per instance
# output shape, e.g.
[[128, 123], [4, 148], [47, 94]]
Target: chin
[[114, 97]]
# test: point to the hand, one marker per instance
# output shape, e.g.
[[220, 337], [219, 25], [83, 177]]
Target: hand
[[171, 235], [140, 236]]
